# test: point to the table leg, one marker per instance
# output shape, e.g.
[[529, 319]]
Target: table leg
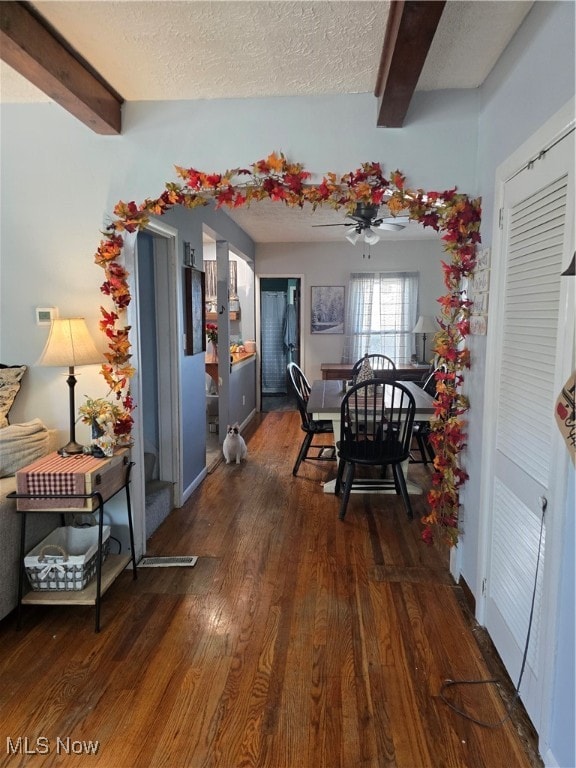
[[99, 563], [131, 530], [21, 570]]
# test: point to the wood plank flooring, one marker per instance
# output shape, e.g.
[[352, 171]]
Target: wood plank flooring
[[297, 641]]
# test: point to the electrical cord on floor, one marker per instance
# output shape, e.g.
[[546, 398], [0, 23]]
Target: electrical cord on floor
[[495, 681]]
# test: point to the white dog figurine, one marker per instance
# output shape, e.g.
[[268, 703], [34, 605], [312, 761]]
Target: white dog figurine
[[234, 446]]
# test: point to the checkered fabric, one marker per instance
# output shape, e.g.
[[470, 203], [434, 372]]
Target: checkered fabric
[[55, 476]]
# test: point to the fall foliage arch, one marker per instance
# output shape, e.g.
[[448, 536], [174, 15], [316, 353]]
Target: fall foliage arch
[[452, 213]]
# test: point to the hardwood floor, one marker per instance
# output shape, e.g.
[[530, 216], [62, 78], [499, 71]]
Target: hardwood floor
[[297, 641]]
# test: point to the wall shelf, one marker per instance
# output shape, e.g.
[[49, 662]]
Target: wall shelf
[[214, 315]]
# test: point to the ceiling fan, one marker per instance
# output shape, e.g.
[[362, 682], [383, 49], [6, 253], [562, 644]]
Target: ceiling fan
[[365, 220]]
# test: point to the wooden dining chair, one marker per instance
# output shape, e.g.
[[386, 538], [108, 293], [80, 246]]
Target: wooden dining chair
[[308, 450], [377, 418], [370, 364]]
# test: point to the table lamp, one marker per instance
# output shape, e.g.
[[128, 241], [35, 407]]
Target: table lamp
[[424, 326], [69, 345]]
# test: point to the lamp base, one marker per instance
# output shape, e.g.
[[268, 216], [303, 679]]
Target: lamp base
[[71, 448]]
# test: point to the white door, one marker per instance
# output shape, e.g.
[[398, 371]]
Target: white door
[[527, 460]]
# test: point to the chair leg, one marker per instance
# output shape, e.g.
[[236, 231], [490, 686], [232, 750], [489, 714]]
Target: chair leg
[[428, 445], [303, 452], [347, 488], [400, 483], [339, 475], [422, 448]]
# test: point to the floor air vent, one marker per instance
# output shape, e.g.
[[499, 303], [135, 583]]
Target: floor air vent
[[168, 562]]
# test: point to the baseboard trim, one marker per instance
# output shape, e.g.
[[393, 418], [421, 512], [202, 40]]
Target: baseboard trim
[[468, 595], [193, 485]]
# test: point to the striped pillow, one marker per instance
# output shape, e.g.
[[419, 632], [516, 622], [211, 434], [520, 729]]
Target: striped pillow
[[9, 387]]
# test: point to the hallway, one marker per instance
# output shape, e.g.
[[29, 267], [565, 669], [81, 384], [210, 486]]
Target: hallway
[[296, 641], [278, 403], [269, 403]]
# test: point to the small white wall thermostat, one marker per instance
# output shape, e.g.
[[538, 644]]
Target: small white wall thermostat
[[45, 315]]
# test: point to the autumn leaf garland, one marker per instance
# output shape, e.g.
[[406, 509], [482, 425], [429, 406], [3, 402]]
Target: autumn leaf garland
[[277, 179]]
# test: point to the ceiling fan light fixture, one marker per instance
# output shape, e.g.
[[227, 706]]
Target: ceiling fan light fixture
[[370, 236], [352, 235]]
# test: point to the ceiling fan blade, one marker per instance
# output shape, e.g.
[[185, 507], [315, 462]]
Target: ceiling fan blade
[[392, 226], [363, 220], [396, 219], [349, 224]]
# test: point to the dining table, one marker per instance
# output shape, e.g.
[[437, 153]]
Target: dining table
[[325, 403], [402, 372]]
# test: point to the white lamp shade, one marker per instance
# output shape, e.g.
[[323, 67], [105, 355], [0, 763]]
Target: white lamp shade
[[426, 324], [370, 236], [70, 344], [352, 235]]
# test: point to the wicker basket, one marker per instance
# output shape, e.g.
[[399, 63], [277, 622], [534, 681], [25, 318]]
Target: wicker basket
[[66, 559]]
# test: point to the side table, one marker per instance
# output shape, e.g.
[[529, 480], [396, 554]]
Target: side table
[[93, 500]]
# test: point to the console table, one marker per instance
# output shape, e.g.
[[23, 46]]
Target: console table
[[111, 476], [407, 372]]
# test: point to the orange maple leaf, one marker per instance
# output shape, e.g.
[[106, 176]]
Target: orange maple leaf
[[395, 204], [275, 162]]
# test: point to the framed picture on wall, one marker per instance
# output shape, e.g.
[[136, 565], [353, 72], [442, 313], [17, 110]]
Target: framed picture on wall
[[327, 309], [195, 300]]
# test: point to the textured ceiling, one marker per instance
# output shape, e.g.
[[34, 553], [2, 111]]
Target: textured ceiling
[[206, 50], [209, 50], [468, 42], [212, 50], [264, 220]]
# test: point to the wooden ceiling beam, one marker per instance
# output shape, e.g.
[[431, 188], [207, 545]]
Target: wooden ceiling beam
[[36, 51], [409, 33]]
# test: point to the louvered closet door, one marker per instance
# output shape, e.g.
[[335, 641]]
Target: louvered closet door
[[534, 224]]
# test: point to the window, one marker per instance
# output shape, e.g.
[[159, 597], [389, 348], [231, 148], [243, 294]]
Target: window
[[381, 314]]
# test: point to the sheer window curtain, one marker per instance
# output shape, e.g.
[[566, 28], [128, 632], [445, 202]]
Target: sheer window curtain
[[381, 312]]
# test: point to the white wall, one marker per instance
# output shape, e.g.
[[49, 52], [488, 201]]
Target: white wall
[[332, 263], [436, 149]]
